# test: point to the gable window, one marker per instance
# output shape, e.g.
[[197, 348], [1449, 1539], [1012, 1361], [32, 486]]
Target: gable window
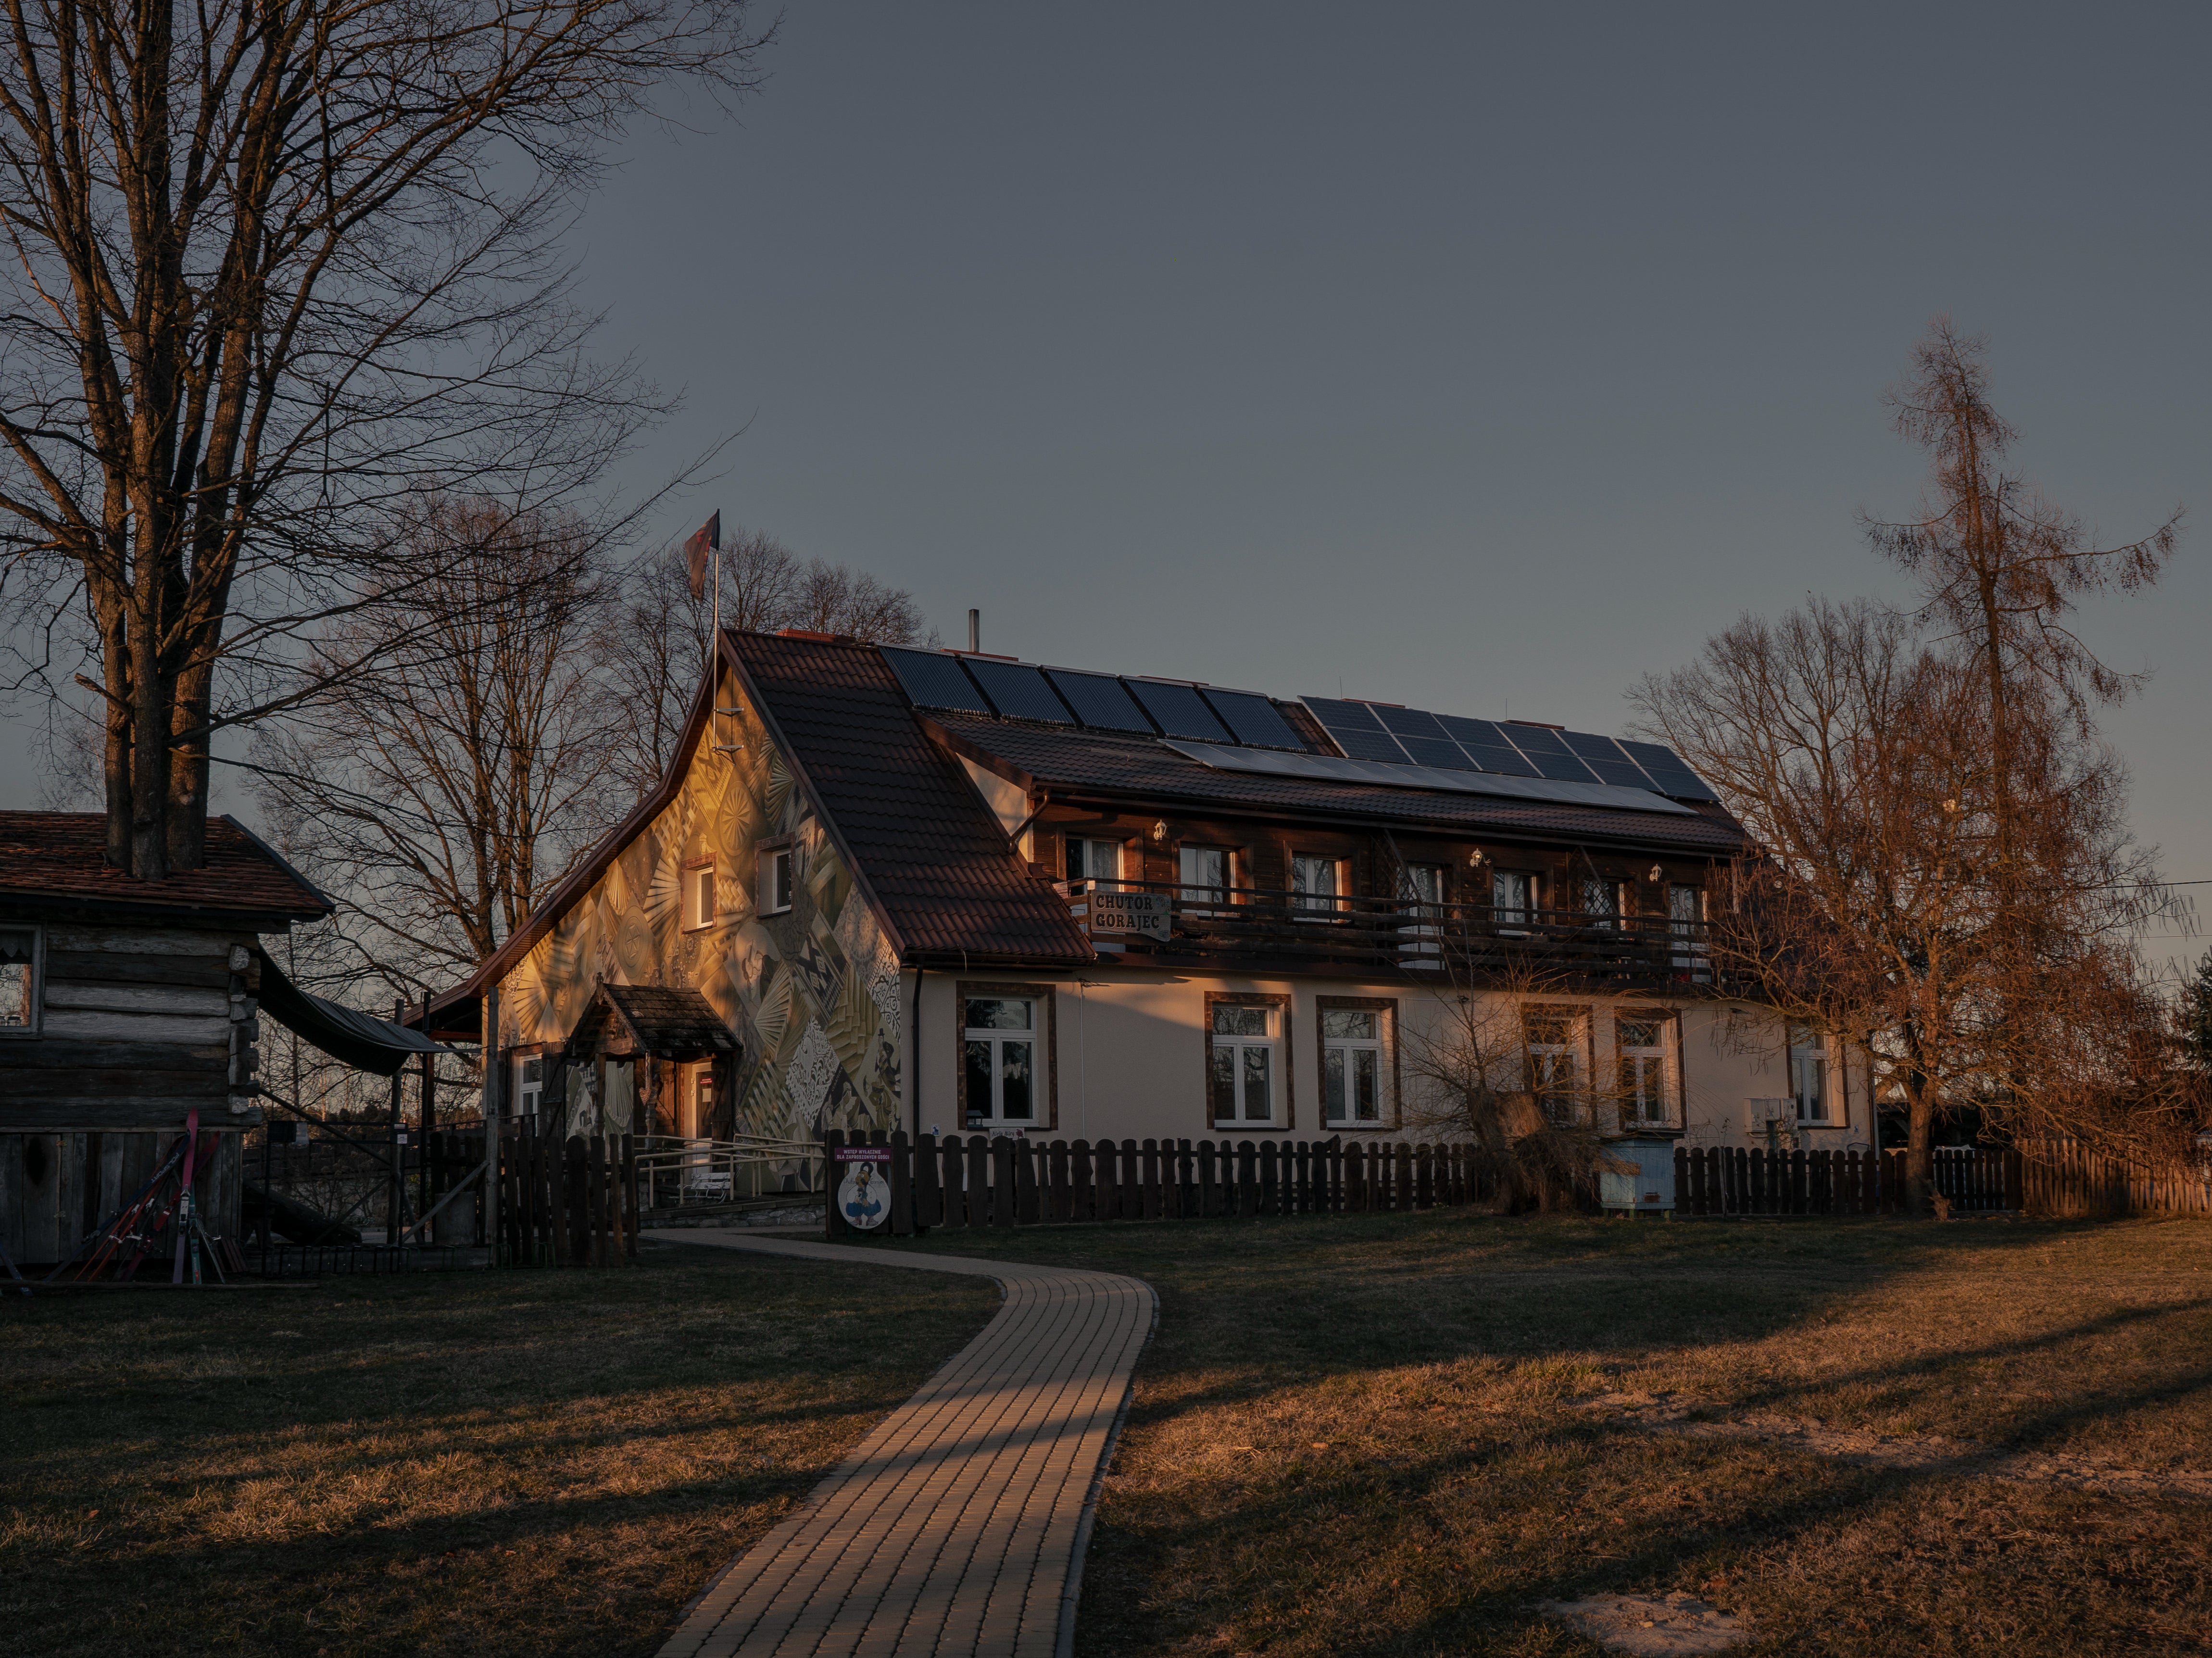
[[529, 1084], [1642, 1042], [1351, 1066], [1000, 1061], [1316, 882], [1207, 872], [1513, 897], [1093, 860], [775, 881], [1808, 1073], [1555, 1067], [698, 897], [19, 981], [1243, 1067]]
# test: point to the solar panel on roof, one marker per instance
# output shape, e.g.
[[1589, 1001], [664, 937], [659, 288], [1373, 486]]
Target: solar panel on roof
[[1603, 756], [1099, 701], [1668, 771], [1366, 744], [1352, 716], [1551, 757], [1412, 722], [1486, 745], [932, 680], [1437, 751], [1328, 768], [1178, 710], [1019, 690], [1254, 719]]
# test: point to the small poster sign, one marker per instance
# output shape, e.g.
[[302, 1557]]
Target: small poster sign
[[1147, 914], [864, 1196]]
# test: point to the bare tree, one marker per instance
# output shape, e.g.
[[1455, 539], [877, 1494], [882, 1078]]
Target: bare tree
[[442, 792], [656, 651], [271, 265]]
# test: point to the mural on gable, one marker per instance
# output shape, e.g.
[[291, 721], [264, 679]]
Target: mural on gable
[[812, 993]]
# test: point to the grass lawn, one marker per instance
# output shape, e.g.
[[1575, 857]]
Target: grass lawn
[[539, 1463], [1396, 1434]]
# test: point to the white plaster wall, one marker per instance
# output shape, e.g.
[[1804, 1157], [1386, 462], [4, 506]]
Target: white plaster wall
[[1131, 1054]]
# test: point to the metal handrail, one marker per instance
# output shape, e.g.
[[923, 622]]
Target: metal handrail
[[674, 1172]]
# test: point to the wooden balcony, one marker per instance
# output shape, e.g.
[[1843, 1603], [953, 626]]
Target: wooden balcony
[[1256, 928]]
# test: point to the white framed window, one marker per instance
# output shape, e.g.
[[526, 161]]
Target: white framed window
[[1512, 897], [529, 1083], [1554, 1043], [20, 976], [1207, 873], [1641, 1040], [1422, 886], [776, 878], [1243, 1069], [998, 1047], [1091, 860], [698, 897], [1351, 1066], [1808, 1073], [1316, 882]]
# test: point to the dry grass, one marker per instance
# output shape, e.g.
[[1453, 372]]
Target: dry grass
[[539, 1463], [1395, 1435]]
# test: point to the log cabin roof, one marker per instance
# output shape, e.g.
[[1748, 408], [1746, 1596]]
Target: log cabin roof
[[59, 859]]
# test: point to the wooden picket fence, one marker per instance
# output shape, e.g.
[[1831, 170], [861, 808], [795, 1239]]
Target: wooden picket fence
[[2067, 1178], [1738, 1181], [953, 1182], [568, 1202]]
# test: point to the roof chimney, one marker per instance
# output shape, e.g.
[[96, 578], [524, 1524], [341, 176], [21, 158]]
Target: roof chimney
[[974, 630]]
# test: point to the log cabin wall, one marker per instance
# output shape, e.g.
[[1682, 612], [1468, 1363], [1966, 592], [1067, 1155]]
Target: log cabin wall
[[137, 1025]]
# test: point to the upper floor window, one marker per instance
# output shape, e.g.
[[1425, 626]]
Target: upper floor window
[[19, 980], [1351, 1065], [1642, 1040], [1208, 874], [529, 1084], [1686, 910], [1424, 883], [1808, 1073], [1093, 860], [1242, 1063], [1553, 1037], [1316, 882], [1513, 897], [1000, 1060], [698, 897], [776, 880], [1601, 901]]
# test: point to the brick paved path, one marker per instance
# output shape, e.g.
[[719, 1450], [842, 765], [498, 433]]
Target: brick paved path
[[958, 1527]]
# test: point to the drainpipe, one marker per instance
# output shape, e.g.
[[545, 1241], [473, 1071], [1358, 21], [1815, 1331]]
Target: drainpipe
[[914, 1088]]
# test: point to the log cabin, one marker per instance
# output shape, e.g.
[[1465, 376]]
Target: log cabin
[[947, 890], [125, 1007]]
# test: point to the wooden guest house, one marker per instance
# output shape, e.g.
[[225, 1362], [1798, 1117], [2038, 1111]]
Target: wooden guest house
[[947, 890], [130, 1009]]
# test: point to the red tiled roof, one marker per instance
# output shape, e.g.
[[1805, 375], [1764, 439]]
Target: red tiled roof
[[64, 855], [932, 853]]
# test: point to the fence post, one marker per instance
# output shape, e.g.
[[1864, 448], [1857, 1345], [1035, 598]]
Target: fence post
[[902, 1184], [1154, 1207], [1028, 1181], [833, 1223], [1270, 1181]]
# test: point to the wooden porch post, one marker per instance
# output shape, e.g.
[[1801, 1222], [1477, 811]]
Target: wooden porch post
[[488, 1049]]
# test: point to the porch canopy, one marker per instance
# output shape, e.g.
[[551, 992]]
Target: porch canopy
[[359, 1039], [649, 1021]]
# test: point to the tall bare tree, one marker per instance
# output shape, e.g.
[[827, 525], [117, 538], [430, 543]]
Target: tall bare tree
[[440, 793], [657, 650], [271, 264]]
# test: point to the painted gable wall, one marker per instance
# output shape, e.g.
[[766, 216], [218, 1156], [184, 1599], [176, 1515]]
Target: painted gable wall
[[813, 994]]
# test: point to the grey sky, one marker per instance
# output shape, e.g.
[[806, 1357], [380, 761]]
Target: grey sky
[[1451, 355]]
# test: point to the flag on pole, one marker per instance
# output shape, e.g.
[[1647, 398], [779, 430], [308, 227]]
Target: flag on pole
[[708, 539]]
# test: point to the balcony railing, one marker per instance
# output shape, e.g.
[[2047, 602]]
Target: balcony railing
[[1317, 932]]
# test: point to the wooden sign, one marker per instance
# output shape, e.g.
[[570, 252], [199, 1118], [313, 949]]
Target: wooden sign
[[1147, 914]]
